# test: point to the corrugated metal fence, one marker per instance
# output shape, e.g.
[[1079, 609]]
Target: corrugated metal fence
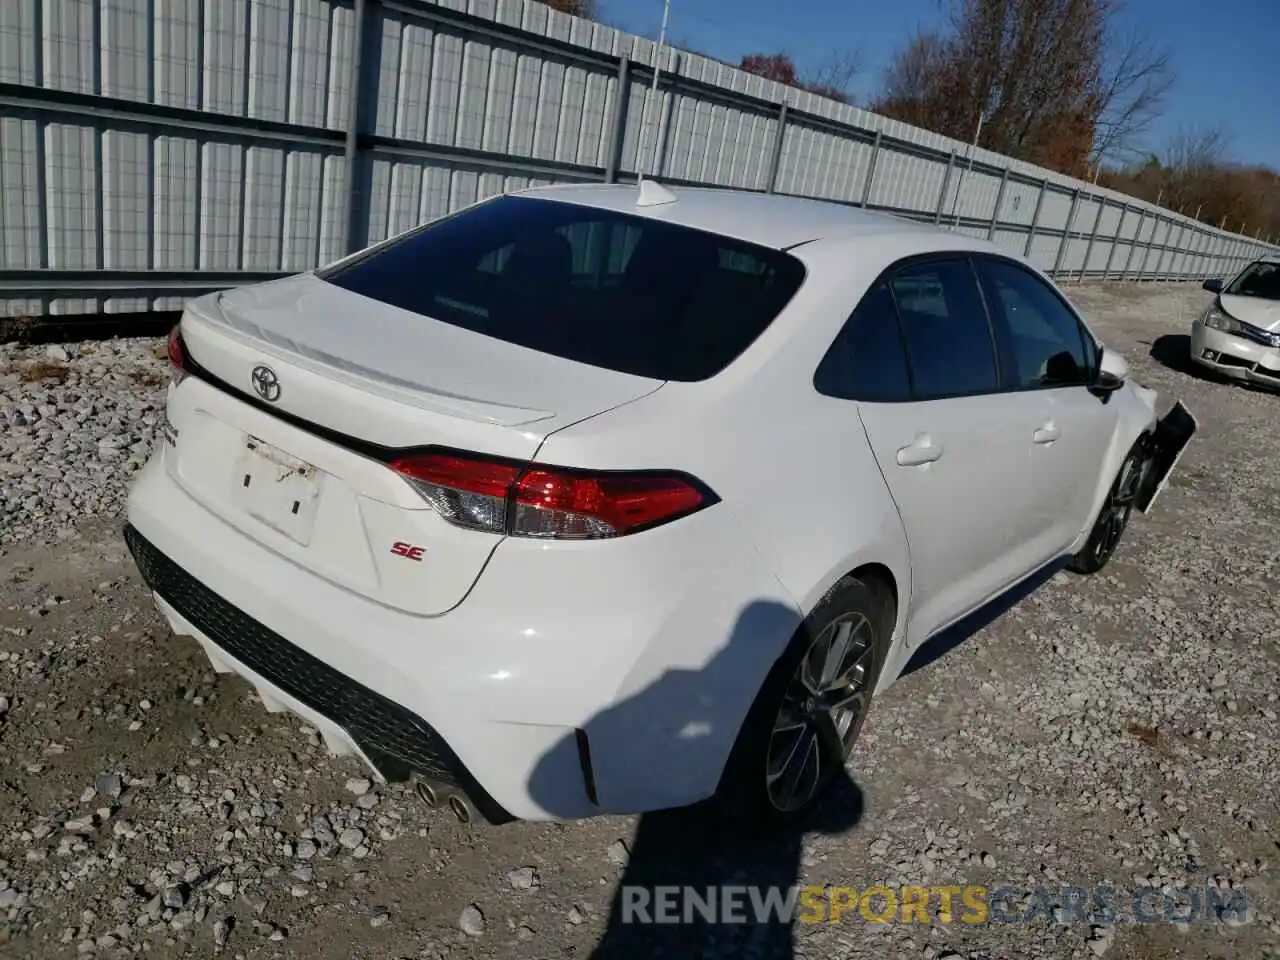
[[153, 149]]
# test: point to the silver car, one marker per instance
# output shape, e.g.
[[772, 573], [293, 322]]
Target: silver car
[[1238, 334]]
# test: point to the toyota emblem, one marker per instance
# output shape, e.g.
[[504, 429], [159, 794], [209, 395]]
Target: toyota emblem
[[265, 383]]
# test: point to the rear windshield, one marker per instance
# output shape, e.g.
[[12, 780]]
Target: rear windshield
[[622, 292], [1261, 279]]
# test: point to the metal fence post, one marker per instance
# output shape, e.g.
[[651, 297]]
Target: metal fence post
[[1066, 234], [775, 161], [1164, 248], [1133, 244], [946, 182], [355, 178], [1035, 218], [1151, 242], [1115, 242], [995, 212], [871, 170], [1088, 251], [618, 133], [1178, 263]]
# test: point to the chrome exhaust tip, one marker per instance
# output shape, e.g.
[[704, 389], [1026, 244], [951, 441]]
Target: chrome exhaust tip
[[427, 794], [460, 809]]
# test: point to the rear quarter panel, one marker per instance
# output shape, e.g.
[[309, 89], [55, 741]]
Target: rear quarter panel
[[792, 465], [1136, 415]]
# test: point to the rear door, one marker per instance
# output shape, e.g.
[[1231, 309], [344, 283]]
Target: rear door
[[1049, 361], [955, 452]]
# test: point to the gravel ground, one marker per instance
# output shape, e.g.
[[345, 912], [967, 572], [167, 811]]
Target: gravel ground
[[1114, 730]]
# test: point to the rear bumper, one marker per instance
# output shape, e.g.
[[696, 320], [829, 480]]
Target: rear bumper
[[1234, 357], [393, 741], [601, 677]]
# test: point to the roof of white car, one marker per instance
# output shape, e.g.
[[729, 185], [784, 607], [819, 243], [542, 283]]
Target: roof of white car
[[766, 219]]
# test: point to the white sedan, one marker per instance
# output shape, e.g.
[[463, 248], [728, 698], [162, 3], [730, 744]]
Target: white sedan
[[1238, 334], [597, 499]]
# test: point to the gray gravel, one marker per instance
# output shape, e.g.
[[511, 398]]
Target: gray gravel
[[1120, 729], [76, 421]]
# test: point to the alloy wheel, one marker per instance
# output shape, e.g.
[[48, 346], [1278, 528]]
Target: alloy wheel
[[821, 712], [1115, 514]]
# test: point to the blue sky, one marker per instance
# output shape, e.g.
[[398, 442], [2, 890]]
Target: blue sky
[[1223, 51]]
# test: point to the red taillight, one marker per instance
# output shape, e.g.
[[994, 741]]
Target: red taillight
[[534, 500], [177, 356], [467, 492]]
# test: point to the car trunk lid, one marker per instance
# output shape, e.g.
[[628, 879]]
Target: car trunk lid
[[295, 456]]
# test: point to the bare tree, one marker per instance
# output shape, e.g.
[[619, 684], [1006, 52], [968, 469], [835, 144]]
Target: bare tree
[[834, 75], [1036, 72], [578, 8], [1193, 150], [772, 66], [915, 78], [832, 78], [1195, 173], [1027, 67], [1135, 81]]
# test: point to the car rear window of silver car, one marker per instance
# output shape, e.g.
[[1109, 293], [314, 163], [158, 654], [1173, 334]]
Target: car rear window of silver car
[[623, 292]]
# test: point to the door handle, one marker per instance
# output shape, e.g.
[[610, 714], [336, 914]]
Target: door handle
[[1048, 433], [918, 452]]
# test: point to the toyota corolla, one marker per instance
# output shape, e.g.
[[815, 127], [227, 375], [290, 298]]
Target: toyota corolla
[[595, 499]]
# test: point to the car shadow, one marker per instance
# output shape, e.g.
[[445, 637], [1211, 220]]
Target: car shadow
[[940, 644], [1173, 351], [694, 884]]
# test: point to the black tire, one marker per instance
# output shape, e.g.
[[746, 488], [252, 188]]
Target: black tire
[[745, 792], [1113, 518]]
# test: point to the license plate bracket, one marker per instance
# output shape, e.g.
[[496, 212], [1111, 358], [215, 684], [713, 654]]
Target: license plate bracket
[[278, 489], [1172, 435]]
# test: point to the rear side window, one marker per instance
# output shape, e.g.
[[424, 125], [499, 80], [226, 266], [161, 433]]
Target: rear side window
[[866, 361], [944, 323], [609, 289]]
